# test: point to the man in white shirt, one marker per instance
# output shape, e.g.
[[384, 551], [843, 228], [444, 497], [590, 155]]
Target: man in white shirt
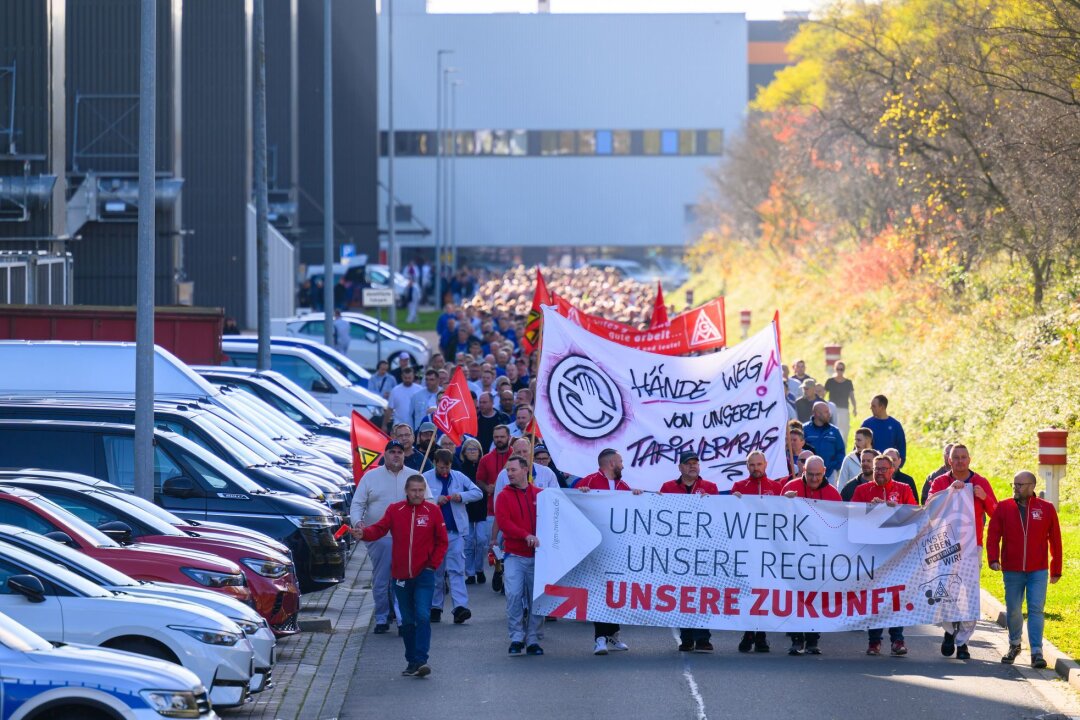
[[542, 477], [401, 396]]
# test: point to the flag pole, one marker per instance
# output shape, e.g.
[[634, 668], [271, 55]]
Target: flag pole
[[427, 452], [787, 435], [539, 359]]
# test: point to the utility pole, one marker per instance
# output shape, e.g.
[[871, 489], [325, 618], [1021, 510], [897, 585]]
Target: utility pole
[[453, 174], [144, 309], [391, 243], [438, 174], [262, 222], [328, 174]]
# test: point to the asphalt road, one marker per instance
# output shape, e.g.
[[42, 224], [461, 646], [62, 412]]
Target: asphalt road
[[474, 678]]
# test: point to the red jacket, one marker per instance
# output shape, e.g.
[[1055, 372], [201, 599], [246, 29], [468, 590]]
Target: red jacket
[[824, 492], [765, 486], [983, 508], [1024, 549], [516, 514], [487, 471], [892, 491], [420, 540], [599, 481], [701, 487]]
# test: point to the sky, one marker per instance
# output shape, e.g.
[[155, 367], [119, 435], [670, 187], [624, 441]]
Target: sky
[[754, 9]]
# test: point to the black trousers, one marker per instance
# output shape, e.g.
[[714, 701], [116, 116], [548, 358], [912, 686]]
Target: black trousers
[[602, 629], [694, 635]]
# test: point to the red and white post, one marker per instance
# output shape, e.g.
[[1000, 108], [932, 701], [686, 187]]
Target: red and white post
[[744, 323], [832, 356], [1053, 454]]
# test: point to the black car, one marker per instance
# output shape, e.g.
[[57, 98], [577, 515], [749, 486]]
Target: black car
[[188, 481]]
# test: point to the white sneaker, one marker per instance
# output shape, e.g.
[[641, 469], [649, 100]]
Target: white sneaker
[[615, 644], [601, 646]]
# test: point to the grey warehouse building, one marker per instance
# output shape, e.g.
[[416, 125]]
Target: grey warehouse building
[[69, 147]]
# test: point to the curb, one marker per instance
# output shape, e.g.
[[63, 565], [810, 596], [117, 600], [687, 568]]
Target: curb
[[1062, 664]]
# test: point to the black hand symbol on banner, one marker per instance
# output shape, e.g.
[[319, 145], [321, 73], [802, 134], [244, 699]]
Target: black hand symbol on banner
[[586, 402]]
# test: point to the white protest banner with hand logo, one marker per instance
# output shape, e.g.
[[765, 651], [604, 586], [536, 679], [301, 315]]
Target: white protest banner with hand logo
[[594, 394], [755, 563]]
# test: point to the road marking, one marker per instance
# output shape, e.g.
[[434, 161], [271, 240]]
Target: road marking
[[690, 682]]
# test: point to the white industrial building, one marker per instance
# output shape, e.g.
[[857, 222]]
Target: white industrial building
[[574, 132]]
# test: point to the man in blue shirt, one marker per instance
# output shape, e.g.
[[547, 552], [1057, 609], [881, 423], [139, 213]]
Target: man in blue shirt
[[826, 439], [888, 432]]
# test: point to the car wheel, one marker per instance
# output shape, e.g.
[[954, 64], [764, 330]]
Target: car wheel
[[143, 646]]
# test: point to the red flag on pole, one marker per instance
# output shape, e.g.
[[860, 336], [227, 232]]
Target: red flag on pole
[[541, 296], [659, 311], [455, 414], [367, 443]]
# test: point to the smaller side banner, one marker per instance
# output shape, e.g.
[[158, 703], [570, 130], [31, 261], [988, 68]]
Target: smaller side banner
[[755, 563], [697, 330]]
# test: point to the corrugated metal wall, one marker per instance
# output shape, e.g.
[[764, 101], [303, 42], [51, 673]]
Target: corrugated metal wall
[[355, 139], [24, 41], [216, 138], [279, 88]]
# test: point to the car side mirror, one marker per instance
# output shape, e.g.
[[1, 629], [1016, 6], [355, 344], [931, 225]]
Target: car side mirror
[[28, 586], [61, 537], [180, 487], [321, 386], [116, 530]]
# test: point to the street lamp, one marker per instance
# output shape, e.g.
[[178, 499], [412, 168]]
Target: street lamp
[[452, 209], [392, 220], [439, 81]]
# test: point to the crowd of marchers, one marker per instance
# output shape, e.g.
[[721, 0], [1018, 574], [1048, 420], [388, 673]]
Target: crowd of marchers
[[436, 515]]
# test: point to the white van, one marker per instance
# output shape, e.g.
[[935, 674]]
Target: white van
[[310, 372]]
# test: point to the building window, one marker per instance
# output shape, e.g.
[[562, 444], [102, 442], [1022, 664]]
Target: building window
[[714, 142], [603, 142], [620, 142], [549, 142], [500, 142], [687, 142], [485, 142], [519, 142], [586, 142], [650, 142], [669, 142], [567, 146], [466, 143]]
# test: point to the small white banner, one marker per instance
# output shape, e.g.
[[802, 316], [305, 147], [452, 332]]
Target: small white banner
[[594, 394], [755, 563]]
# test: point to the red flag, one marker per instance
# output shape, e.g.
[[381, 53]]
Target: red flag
[[533, 429], [659, 311], [367, 443], [455, 414], [541, 296]]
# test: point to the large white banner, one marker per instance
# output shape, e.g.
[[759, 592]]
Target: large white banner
[[594, 394], [755, 563]]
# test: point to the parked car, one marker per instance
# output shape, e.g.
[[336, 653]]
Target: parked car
[[310, 372], [255, 628], [62, 607], [271, 579], [30, 510], [365, 346], [188, 481], [355, 374], [39, 680]]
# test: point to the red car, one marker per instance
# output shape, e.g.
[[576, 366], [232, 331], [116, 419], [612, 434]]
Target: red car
[[269, 575], [29, 510]]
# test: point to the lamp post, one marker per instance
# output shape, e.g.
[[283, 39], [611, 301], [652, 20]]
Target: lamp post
[[439, 80], [392, 220], [328, 173], [452, 208]]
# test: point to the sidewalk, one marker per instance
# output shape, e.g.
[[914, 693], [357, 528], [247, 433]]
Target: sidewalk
[[314, 669]]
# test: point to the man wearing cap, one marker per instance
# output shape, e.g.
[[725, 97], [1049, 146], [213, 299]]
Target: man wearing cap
[[690, 482], [607, 477], [404, 361], [425, 435], [413, 457], [378, 489], [757, 483]]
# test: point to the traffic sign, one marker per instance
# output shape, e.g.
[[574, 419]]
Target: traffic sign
[[378, 297]]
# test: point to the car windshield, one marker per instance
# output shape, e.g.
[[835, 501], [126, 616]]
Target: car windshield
[[77, 562], [205, 459], [53, 572], [304, 396], [148, 507], [281, 425], [248, 447], [80, 526], [156, 525], [16, 637]]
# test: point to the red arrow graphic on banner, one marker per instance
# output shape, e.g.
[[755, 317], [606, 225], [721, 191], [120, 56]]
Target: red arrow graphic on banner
[[576, 599]]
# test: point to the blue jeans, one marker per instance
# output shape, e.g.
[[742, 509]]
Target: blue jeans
[[414, 601], [896, 634], [1033, 585], [521, 623]]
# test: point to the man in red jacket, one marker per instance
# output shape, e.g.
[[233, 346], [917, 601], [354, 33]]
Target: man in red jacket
[[812, 486], [1022, 532], [607, 477], [960, 474], [690, 482], [419, 546], [756, 483], [491, 464], [885, 490], [515, 512]]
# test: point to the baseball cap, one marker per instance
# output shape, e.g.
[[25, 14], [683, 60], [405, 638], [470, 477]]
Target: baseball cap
[[426, 427], [403, 356], [687, 456], [393, 444]]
